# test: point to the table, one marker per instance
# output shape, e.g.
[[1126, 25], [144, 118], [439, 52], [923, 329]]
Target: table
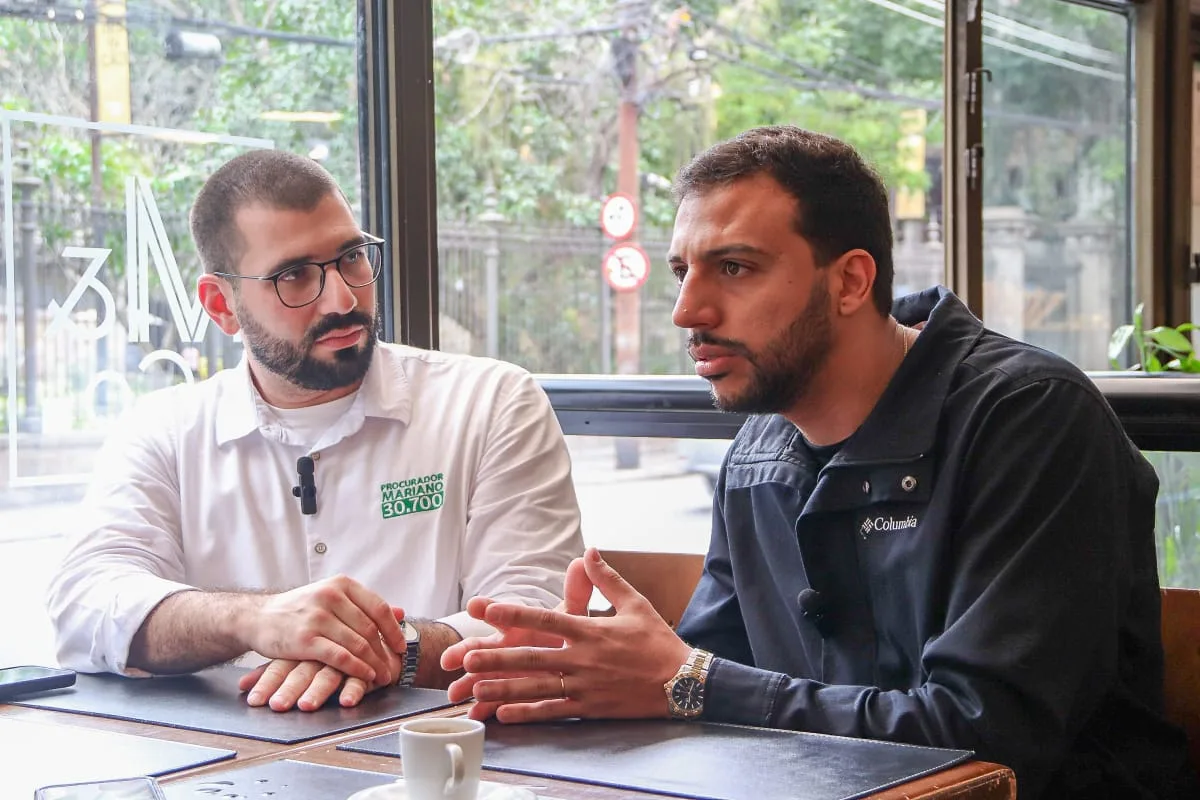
[[974, 780]]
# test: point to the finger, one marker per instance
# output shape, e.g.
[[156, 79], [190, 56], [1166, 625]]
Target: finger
[[463, 689], [540, 620], [270, 677], [352, 693], [379, 612], [452, 656], [320, 689], [482, 711], [247, 681], [347, 625], [477, 606], [542, 711], [521, 660], [577, 589], [524, 689], [335, 655], [294, 685], [610, 583]]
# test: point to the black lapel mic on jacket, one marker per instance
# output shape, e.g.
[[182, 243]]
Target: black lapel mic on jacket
[[307, 490], [815, 608]]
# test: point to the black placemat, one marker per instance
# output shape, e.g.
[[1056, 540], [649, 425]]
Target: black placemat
[[37, 754], [278, 780], [700, 759], [210, 701]]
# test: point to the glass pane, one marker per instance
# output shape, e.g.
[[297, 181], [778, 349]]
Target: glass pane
[[1057, 268], [1177, 529], [544, 110], [664, 505], [108, 126]]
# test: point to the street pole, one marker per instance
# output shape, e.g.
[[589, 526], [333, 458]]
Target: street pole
[[491, 220], [627, 304], [30, 420], [97, 196]]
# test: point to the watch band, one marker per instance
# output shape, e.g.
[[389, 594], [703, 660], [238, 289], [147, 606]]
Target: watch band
[[412, 653]]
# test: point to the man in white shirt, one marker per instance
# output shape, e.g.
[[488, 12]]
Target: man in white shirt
[[420, 478]]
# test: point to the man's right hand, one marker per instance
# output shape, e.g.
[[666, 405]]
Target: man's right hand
[[337, 622]]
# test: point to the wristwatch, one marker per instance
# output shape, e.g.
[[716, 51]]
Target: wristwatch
[[412, 653], [685, 691]]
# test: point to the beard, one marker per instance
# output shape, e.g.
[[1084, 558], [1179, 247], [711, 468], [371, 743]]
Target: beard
[[296, 364], [782, 374]]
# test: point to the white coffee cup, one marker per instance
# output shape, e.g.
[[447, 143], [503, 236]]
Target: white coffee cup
[[440, 758]]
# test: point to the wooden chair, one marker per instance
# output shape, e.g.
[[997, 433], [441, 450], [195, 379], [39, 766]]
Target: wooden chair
[[667, 580], [1181, 652]]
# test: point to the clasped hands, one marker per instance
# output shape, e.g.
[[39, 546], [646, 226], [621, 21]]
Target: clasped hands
[[544, 664], [325, 636]]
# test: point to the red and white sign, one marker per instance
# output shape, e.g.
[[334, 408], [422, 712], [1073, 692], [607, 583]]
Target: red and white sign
[[618, 215], [626, 267]]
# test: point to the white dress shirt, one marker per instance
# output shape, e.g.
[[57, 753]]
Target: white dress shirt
[[448, 477]]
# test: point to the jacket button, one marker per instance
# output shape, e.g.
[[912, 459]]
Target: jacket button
[[320, 548], [866, 487], [908, 483]]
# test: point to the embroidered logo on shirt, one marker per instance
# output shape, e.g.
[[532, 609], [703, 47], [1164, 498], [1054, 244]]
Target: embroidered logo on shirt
[[412, 495], [883, 524]]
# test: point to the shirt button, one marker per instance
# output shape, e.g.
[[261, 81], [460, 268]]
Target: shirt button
[[320, 548], [908, 483], [866, 487]]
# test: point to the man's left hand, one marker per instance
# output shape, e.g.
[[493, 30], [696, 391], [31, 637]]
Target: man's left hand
[[608, 666], [307, 685]]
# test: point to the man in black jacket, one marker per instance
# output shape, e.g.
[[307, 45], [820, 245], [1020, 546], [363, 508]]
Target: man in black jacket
[[928, 532]]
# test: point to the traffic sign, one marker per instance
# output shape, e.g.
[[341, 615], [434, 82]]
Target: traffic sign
[[626, 266], [618, 215]]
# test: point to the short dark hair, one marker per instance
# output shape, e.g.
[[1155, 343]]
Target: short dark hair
[[841, 200], [274, 178]]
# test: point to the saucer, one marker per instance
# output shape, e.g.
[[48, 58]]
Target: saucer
[[488, 790]]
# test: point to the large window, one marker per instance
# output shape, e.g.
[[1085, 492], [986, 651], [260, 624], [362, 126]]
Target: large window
[[111, 116], [544, 112], [1057, 155]]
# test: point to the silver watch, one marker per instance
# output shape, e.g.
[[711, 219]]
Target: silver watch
[[412, 653]]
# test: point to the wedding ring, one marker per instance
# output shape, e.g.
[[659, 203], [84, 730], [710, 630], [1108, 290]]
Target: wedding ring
[[563, 683]]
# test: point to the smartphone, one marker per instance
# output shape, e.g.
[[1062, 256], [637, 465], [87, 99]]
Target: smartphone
[[24, 680], [127, 789]]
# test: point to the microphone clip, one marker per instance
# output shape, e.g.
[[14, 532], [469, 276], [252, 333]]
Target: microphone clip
[[307, 490]]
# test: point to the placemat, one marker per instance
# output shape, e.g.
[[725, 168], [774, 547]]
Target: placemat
[[699, 759], [37, 754], [278, 780], [210, 701]]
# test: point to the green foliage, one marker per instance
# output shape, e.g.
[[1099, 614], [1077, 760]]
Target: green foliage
[[1158, 349]]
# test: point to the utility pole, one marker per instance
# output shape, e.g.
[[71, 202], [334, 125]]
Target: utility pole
[[627, 305], [108, 74]]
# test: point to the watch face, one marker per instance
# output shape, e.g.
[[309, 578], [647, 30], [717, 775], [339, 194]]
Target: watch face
[[688, 694]]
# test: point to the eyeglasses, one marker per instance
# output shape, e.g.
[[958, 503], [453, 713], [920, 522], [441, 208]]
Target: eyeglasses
[[302, 284]]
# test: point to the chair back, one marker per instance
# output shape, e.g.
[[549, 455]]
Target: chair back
[[667, 580], [1181, 656]]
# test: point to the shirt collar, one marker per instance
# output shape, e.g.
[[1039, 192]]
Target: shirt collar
[[386, 393], [903, 424]]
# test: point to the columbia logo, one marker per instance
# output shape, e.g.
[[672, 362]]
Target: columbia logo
[[886, 525]]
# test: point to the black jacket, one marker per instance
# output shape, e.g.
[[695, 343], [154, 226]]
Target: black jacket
[[982, 555]]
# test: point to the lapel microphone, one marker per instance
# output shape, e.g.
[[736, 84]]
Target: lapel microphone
[[307, 490]]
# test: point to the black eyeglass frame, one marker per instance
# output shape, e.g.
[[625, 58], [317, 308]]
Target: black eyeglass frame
[[371, 244]]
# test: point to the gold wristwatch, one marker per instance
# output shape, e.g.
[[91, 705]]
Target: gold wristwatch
[[685, 691]]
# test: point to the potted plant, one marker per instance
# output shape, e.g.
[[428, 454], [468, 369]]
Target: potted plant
[[1159, 349]]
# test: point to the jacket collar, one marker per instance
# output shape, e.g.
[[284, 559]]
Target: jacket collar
[[903, 425], [385, 393]]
